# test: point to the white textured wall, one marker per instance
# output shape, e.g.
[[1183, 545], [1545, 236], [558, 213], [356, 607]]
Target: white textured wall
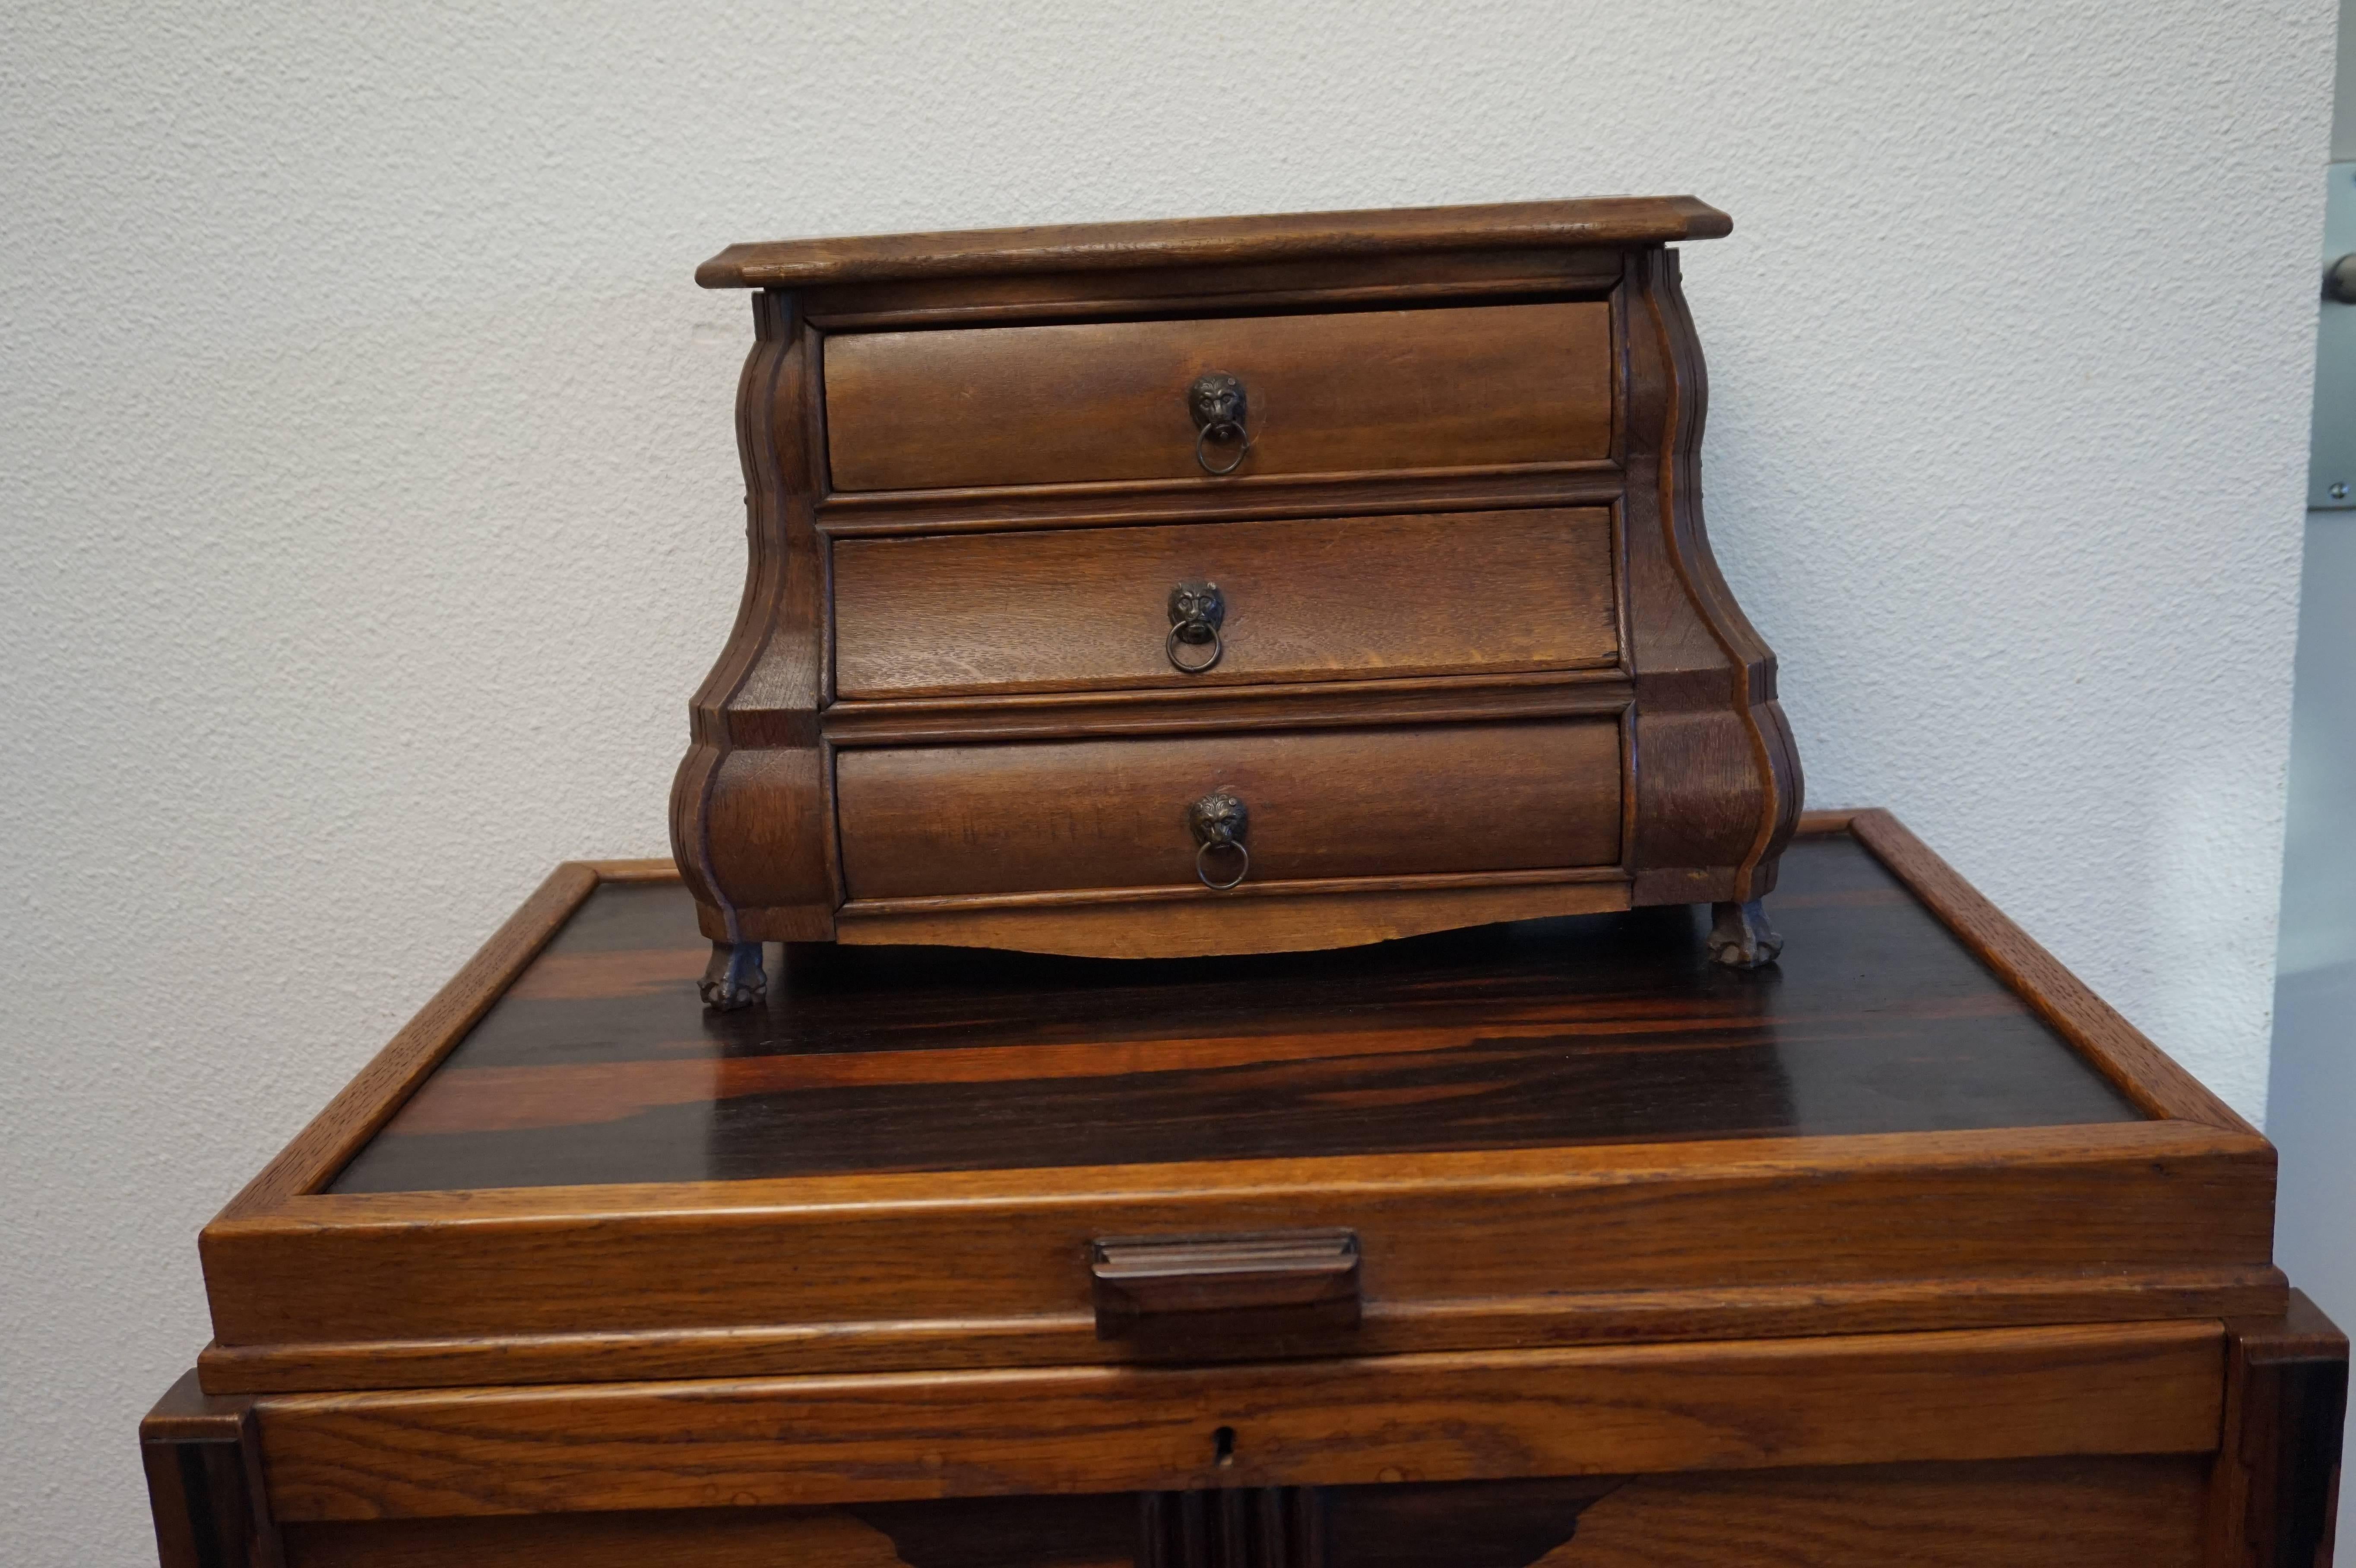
[[370, 507]]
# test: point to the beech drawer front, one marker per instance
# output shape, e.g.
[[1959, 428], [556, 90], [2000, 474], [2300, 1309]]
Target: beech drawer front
[[1107, 400], [1329, 599], [1029, 818]]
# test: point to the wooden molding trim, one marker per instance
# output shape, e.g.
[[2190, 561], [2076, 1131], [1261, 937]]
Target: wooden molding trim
[[1223, 241], [1068, 1339], [2145, 1073], [364, 1104], [1385, 1178], [1118, 502], [2072, 1203], [297, 1275], [660, 869]]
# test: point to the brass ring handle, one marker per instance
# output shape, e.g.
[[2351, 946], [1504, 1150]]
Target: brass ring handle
[[1202, 871], [1225, 432], [1218, 821], [1217, 405], [1192, 634]]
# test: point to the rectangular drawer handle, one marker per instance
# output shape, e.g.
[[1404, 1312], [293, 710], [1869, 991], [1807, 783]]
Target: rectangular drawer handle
[[1192, 1294]]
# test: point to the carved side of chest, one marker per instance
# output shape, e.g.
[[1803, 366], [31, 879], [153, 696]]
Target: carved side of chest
[[1226, 586]]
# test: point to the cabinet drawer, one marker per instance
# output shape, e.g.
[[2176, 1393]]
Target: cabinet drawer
[[2099, 1511], [1830, 1401], [1107, 400], [1031, 817], [1328, 599]]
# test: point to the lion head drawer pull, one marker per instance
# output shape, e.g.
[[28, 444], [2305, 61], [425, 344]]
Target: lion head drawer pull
[[1217, 403], [1218, 821], [1196, 611]]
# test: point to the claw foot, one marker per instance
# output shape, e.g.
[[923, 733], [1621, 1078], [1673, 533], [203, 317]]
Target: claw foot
[[733, 978], [1740, 936]]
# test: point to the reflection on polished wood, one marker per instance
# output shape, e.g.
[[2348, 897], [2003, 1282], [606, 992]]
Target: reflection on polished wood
[[599, 1065]]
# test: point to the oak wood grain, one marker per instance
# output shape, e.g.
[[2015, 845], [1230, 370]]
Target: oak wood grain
[[1551, 225], [1721, 784], [1095, 1531], [1448, 361], [1344, 598], [1446, 386], [934, 821], [713, 1537], [1061, 1339], [927, 1255], [2087, 1512], [751, 828], [1472, 276], [2138, 1389], [1559, 1133], [2100, 1512]]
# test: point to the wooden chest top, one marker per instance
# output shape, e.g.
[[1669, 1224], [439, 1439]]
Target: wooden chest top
[[1216, 241], [596, 1067], [1559, 1132]]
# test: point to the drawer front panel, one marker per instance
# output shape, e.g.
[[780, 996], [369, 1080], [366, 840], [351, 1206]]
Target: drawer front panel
[[1108, 400], [946, 820], [1328, 599], [2152, 1387], [2104, 1512]]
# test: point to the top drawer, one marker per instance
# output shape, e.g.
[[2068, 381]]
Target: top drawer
[[1108, 400]]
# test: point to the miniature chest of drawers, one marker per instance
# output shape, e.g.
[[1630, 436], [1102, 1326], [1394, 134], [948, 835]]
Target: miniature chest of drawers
[[1550, 1244], [1228, 585]]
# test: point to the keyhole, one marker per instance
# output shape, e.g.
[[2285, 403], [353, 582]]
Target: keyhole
[[1223, 1447]]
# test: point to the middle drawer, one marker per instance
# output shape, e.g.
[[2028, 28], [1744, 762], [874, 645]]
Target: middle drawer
[[1326, 599]]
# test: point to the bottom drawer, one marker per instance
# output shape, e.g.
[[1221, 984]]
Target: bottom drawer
[[2116, 1512], [1945, 1397], [939, 821]]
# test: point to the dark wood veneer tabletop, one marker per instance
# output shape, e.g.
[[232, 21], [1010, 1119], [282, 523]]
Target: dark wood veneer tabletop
[[599, 1065]]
